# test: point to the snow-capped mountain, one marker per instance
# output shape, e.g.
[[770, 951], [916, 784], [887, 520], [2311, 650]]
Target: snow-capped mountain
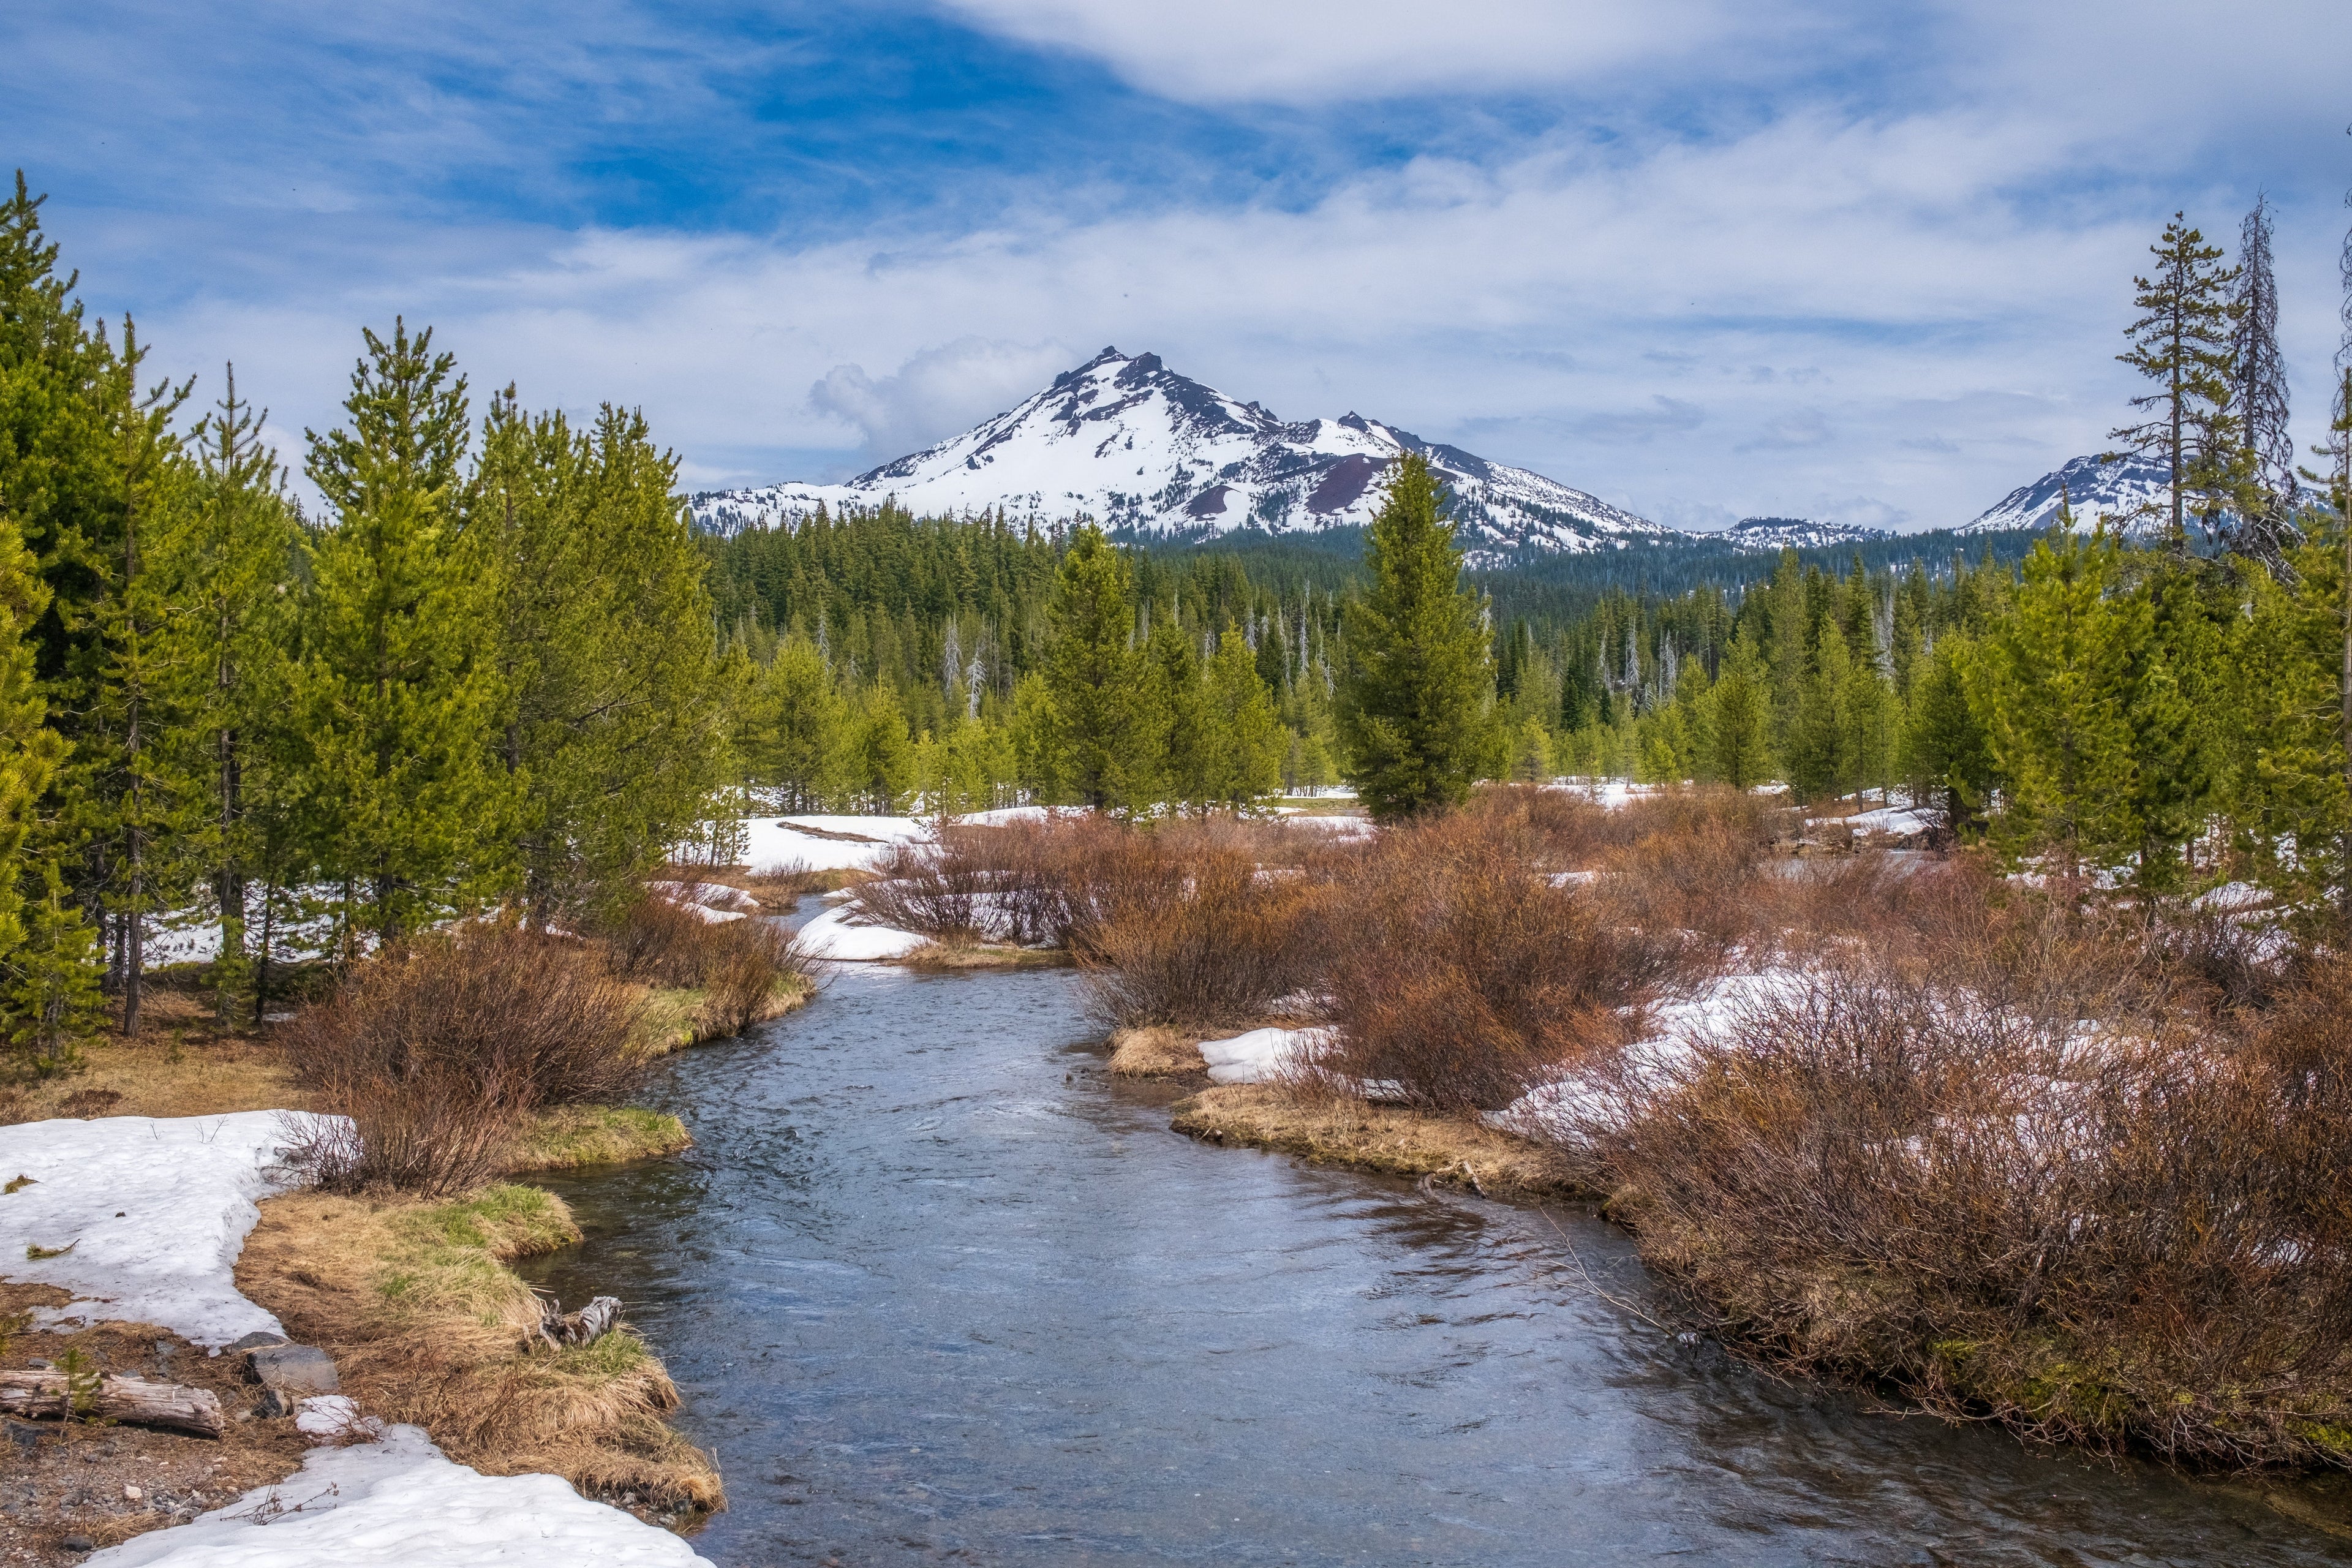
[[1778, 533], [1142, 450], [2128, 491]]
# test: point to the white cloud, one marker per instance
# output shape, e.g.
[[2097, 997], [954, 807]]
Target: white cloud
[[1874, 317], [936, 391], [1308, 51]]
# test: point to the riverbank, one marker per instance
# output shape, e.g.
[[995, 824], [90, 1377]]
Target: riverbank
[[1391, 1140], [676, 1018], [427, 1324], [161, 1248]]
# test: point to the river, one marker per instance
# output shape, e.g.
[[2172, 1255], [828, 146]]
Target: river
[[937, 1288]]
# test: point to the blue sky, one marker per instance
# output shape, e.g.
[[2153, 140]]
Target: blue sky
[[1707, 260]]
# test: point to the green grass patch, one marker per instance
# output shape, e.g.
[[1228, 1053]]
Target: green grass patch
[[452, 1256], [576, 1135]]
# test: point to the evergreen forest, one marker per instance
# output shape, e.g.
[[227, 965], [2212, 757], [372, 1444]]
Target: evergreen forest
[[495, 667]]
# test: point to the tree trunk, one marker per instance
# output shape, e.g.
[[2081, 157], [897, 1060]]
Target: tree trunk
[[130, 1399]]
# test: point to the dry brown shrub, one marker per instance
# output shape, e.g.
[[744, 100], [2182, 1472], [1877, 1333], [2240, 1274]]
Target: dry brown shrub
[[743, 963], [2040, 1190], [1216, 946], [738, 963], [941, 890], [1699, 879], [436, 1051], [1459, 975], [659, 942]]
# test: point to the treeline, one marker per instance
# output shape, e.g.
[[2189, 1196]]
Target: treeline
[[489, 673], [891, 660]]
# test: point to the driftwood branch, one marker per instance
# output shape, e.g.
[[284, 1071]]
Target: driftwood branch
[[130, 1399], [591, 1322]]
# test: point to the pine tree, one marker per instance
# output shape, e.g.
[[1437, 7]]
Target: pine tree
[[1104, 738], [62, 490], [227, 570], [1415, 704], [1946, 757], [1246, 741], [882, 752], [2054, 704], [615, 741], [52, 992], [397, 697], [1816, 758], [796, 740], [1736, 736], [30, 751], [134, 804], [2183, 342]]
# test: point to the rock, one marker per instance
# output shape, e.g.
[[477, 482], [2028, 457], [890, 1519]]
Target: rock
[[255, 1340], [78, 1544], [132, 1494], [294, 1369], [24, 1437]]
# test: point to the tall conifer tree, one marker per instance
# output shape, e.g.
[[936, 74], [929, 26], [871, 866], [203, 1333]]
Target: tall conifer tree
[[2183, 342], [2266, 527], [1415, 704], [1102, 709], [397, 696]]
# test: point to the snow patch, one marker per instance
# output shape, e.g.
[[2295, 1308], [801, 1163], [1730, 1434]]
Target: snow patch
[[1260, 1055], [845, 936], [398, 1502], [152, 1213]]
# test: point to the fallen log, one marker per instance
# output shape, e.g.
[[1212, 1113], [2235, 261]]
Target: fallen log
[[135, 1400]]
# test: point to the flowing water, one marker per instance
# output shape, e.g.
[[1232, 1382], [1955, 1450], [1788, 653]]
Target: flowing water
[[937, 1288]]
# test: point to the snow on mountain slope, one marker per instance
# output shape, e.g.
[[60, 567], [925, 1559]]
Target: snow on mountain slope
[[2126, 491], [1778, 533], [1143, 450]]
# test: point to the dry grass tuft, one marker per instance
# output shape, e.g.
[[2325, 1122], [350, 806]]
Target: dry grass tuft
[[1391, 1139], [1155, 1050], [427, 1325]]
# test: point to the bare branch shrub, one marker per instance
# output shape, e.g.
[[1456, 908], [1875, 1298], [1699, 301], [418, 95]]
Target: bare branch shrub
[[945, 890], [659, 942], [742, 962], [1217, 947], [2037, 1186], [1460, 975], [437, 1050]]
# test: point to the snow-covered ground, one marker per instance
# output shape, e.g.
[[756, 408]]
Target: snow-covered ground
[[784, 843], [146, 1216], [397, 1502], [1259, 1055], [845, 936], [1564, 1110]]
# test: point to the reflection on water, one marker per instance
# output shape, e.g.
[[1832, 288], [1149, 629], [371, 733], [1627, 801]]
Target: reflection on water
[[938, 1290]]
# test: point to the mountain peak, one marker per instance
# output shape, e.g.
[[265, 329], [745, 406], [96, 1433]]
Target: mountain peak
[[2119, 488], [1143, 450]]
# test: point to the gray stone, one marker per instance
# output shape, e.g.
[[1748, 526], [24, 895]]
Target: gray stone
[[79, 1543], [299, 1370], [252, 1341], [24, 1437]]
